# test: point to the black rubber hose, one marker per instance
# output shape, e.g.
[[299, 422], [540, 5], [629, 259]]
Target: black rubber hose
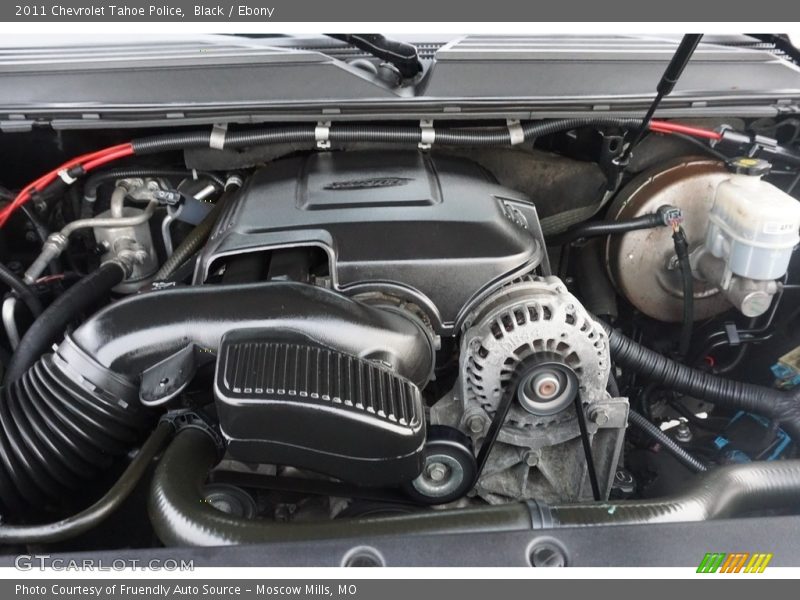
[[667, 442], [180, 517], [687, 280], [194, 240], [51, 323], [70, 527], [597, 292], [718, 494], [21, 290], [783, 407], [59, 430], [602, 228]]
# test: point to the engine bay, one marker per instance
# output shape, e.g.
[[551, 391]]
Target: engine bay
[[232, 341]]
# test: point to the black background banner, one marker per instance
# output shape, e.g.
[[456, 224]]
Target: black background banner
[[377, 589], [254, 11]]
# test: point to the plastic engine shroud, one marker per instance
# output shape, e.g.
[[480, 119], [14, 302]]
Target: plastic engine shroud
[[433, 230]]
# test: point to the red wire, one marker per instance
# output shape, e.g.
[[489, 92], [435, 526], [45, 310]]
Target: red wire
[[88, 161], [698, 132]]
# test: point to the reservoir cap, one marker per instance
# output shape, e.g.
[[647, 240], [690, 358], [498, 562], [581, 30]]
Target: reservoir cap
[[744, 165]]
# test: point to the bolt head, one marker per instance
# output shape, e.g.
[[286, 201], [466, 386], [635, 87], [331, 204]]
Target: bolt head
[[436, 471], [683, 433], [531, 458], [599, 417], [476, 424]]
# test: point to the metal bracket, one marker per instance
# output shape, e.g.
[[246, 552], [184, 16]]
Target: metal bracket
[[732, 332], [168, 378]]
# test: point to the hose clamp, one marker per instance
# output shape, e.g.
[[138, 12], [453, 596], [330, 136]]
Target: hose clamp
[[233, 180], [189, 419], [88, 373]]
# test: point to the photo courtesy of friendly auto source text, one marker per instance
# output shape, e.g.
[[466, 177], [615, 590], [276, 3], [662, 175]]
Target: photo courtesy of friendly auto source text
[[472, 299]]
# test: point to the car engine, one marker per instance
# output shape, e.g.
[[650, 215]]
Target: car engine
[[366, 333]]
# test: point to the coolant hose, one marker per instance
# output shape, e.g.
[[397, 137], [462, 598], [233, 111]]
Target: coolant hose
[[181, 518], [719, 494], [70, 527], [783, 407], [50, 325]]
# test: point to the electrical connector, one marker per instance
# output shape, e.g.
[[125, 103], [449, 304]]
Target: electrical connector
[[671, 216]]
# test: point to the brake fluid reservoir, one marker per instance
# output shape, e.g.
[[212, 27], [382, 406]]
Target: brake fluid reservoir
[[753, 226]]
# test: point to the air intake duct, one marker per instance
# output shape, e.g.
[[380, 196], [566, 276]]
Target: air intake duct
[[291, 401], [67, 417]]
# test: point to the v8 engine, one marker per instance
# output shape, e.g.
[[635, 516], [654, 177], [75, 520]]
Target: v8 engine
[[436, 240], [326, 331]]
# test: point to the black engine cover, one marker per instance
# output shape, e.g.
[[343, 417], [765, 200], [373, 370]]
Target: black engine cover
[[431, 229], [288, 400]]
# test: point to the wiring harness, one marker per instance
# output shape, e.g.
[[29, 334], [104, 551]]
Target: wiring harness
[[322, 135]]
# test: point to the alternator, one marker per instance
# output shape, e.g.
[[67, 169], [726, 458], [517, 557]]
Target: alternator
[[534, 338]]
